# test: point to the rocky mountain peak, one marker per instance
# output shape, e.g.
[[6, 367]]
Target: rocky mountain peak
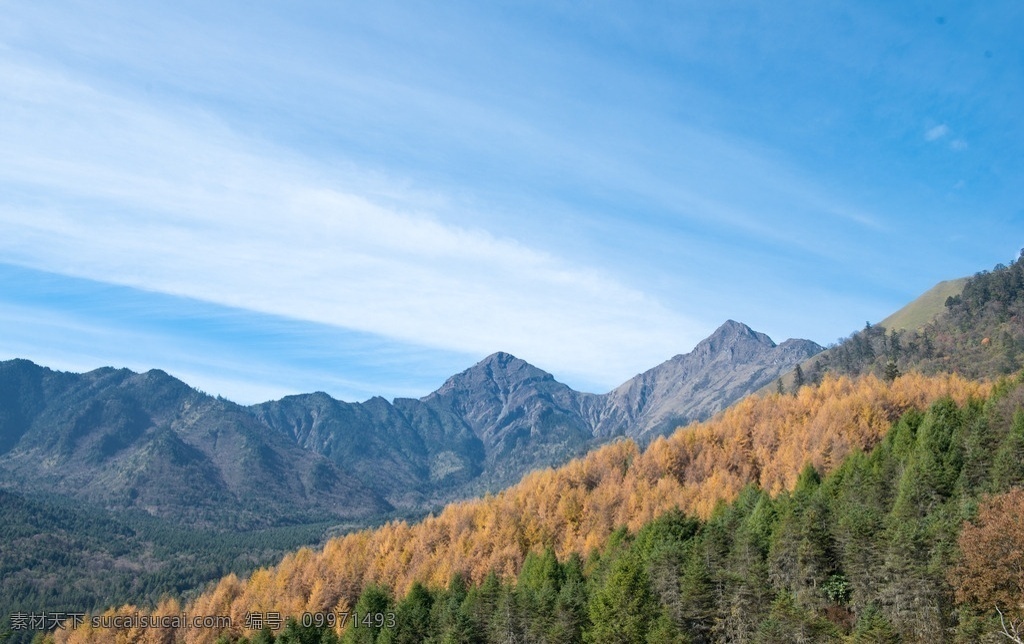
[[481, 430], [733, 342], [501, 371], [501, 362], [721, 368], [732, 333]]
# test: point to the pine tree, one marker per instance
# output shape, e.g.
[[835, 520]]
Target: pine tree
[[540, 581], [789, 622], [892, 372], [922, 525], [859, 507], [482, 602], [451, 614], [695, 611], [369, 616], [1008, 467], [622, 608], [571, 605], [803, 554], [749, 592], [506, 625], [873, 628], [412, 618]]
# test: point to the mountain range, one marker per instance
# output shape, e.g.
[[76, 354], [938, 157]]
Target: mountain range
[[130, 441]]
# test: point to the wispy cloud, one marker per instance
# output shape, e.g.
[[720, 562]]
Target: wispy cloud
[[943, 131], [116, 191], [66, 342], [936, 133], [77, 324]]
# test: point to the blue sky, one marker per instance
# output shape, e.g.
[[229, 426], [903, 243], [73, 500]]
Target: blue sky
[[275, 197]]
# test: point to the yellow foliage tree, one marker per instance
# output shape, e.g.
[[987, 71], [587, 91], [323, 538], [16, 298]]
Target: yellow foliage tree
[[763, 440]]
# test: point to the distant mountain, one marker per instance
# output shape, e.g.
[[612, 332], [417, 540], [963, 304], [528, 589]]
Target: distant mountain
[[148, 441], [125, 440], [734, 361], [487, 426]]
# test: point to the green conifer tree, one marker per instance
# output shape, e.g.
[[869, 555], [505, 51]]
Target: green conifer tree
[[412, 618], [370, 616], [622, 608]]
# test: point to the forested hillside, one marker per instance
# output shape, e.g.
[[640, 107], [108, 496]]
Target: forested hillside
[[979, 334], [918, 540], [148, 442], [582, 507], [59, 555], [117, 485]]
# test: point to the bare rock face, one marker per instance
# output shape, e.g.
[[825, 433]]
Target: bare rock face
[[732, 362], [502, 396], [411, 456], [523, 417]]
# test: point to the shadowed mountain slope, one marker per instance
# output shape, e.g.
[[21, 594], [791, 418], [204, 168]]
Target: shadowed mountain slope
[[148, 441]]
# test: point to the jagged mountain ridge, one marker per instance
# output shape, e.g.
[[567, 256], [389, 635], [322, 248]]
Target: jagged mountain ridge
[[409, 454], [509, 417], [150, 442], [732, 362]]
